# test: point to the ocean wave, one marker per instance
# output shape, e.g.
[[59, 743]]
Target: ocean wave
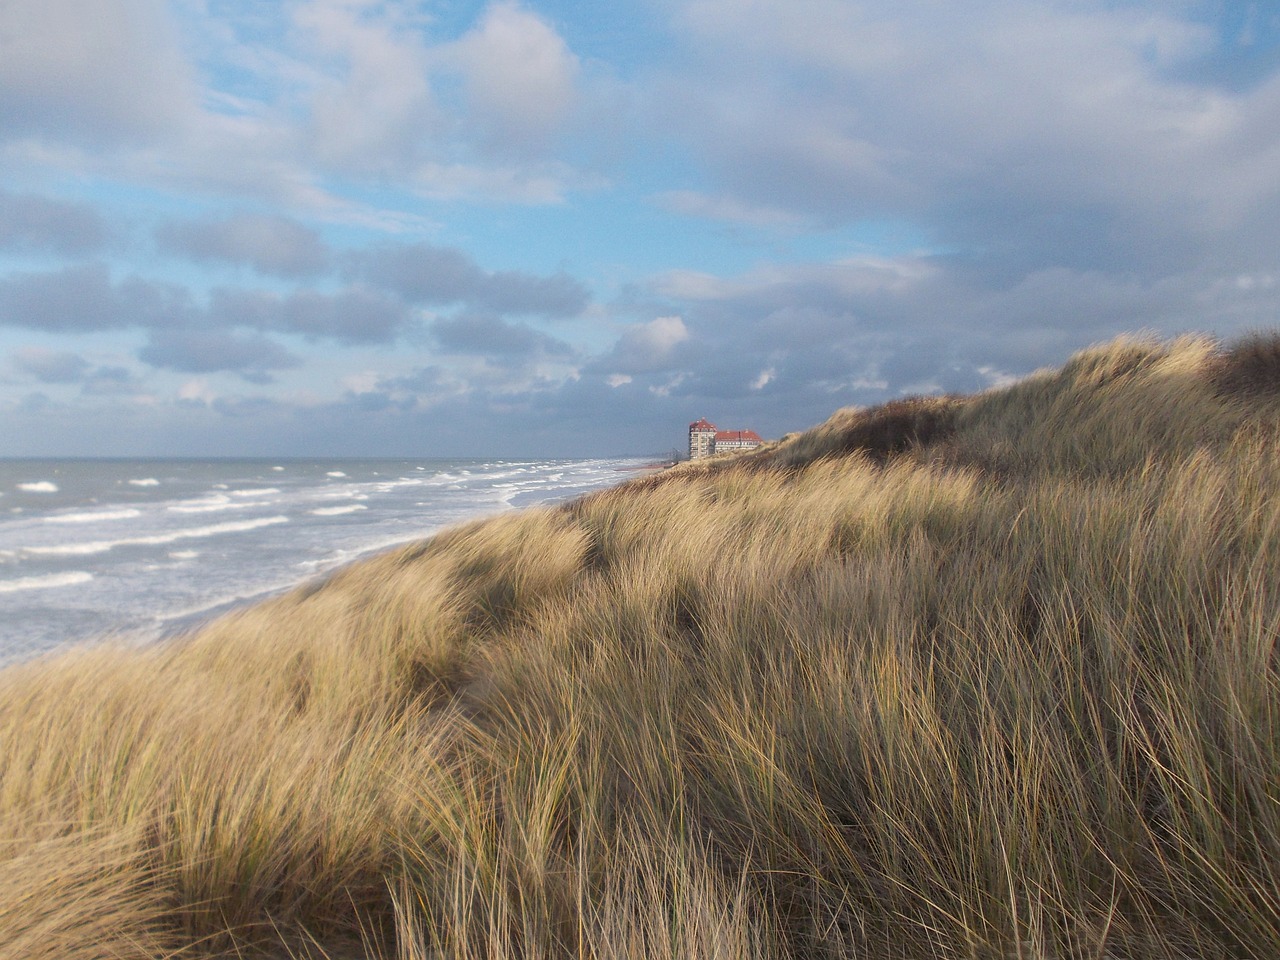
[[145, 482], [192, 533], [335, 473], [183, 554], [263, 492], [338, 511], [128, 514], [216, 506], [46, 582], [219, 501], [39, 486]]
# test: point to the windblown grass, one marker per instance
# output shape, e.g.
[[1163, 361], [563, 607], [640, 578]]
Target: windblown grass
[[979, 677]]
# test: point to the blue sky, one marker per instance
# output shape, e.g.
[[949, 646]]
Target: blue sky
[[368, 227]]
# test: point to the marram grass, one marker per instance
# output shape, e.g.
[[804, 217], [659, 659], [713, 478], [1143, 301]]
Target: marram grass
[[981, 677]]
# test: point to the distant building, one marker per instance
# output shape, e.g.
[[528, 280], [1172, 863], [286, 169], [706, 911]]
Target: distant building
[[727, 440], [702, 439], [705, 439]]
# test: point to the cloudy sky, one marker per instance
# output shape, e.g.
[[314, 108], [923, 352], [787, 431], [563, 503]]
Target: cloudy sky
[[364, 227]]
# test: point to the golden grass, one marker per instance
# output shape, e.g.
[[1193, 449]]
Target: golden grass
[[978, 677]]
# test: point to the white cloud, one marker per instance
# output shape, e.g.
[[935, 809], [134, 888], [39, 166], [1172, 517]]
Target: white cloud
[[289, 104], [662, 333], [364, 381], [197, 391], [644, 348], [90, 71], [519, 75], [373, 107]]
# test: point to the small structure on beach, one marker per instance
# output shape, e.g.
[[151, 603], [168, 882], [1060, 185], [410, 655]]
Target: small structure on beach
[[705, 439]]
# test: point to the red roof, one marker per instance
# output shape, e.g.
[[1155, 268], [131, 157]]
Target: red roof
[[703, 424], [740, 435]]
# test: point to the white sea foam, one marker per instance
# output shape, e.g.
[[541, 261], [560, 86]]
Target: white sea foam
[[191, 533], [213, 505], [183, 554], [263, 492], [46, 582], [145, 482], [278, 469], [335, 473], [39, 486], [338, 511], [94, 517], [219, 501]]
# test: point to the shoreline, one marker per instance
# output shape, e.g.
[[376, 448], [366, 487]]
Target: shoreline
[[144, 578]]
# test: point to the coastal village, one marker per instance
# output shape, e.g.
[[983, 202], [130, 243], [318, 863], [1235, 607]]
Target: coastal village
[[706, 440]]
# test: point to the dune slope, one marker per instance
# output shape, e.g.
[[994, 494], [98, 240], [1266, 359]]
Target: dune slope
[[991, 676]]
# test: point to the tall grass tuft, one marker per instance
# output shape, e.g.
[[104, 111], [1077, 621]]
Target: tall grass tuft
[[973, 677]]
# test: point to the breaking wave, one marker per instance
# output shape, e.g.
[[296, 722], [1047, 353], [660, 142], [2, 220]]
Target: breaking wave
[[193, 533]]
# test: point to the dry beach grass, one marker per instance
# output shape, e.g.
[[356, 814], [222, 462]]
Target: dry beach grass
[[979, 677]]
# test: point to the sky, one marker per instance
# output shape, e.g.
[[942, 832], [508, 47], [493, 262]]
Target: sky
[[536, 228]]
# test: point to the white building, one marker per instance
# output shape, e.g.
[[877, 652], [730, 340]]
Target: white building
[[727, 440], [702, 438]]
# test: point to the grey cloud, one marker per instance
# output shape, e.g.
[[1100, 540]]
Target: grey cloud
[[110, 381], [210, 351], [422, 388], [84, 298], [271, 245], [55, 366], [31, 223], [866, 331], [491, 336], [36, 402], [51, 366], [422, 273], [1030, 134], [429, 380], [349, 316]]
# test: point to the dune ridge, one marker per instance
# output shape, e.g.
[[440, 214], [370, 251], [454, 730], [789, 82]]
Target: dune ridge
[[959, 677]]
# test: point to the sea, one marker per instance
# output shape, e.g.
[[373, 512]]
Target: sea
[[141, 550]]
